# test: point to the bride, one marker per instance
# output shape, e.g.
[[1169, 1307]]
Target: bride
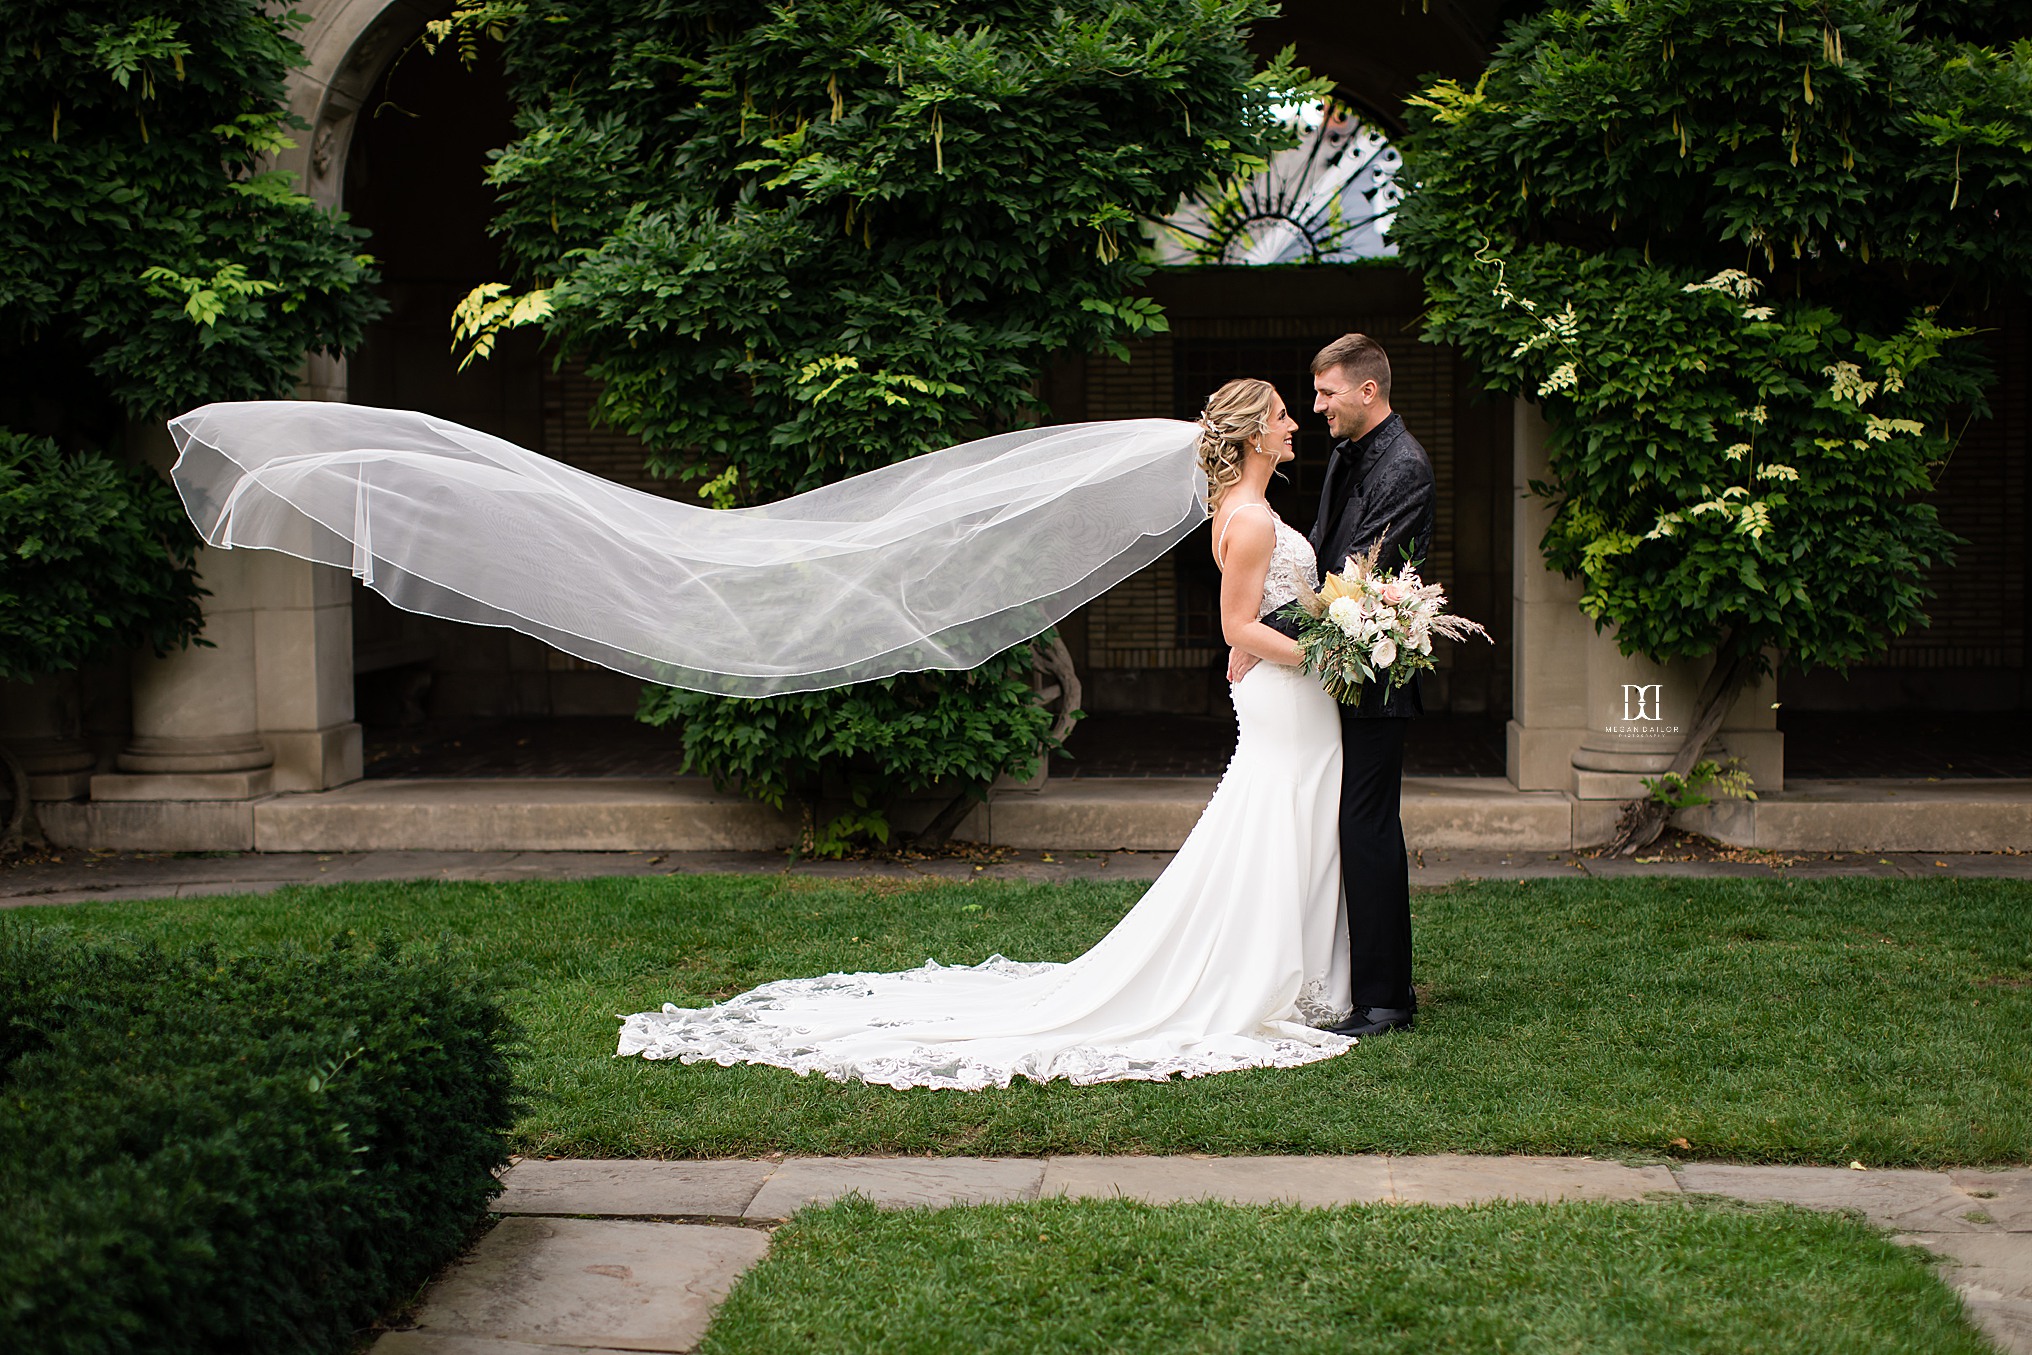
[[1233, 956]]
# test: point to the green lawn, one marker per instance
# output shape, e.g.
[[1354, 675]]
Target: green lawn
[[1058, 1277], [1777, 1021]]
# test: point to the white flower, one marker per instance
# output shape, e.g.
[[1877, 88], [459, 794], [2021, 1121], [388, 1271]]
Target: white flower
[[1385, 619], [1345, 613], [1385, 653]]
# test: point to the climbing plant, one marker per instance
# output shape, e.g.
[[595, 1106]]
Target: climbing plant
[[796, 241], [1736, 250], [148, 263]]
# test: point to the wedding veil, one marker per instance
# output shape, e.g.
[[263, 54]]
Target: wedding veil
[[941, 561]]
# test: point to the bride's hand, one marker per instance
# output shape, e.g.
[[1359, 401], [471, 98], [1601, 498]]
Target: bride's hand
[[1240, 661]]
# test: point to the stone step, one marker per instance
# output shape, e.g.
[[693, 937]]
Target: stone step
[[1069, 814], [1904, 815]]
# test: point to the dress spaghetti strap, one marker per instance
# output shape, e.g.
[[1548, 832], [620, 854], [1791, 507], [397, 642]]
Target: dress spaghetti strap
[[1220, 559]]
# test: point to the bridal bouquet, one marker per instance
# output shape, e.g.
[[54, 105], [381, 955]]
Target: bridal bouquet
[[1366, 626]]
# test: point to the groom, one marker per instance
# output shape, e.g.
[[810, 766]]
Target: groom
[[1378, 488]]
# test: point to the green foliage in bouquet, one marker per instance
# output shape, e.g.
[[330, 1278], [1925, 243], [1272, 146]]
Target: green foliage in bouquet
[[1735, 251], [147, 264], [794, 242], [1367, 628]]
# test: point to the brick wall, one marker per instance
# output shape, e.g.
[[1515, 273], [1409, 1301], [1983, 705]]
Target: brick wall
[[1972, 656], [1165, 617]]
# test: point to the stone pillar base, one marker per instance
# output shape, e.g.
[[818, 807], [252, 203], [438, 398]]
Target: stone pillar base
[[1761, 751], [165, 754], [40, 724], [58, 769], [1616, 773], [1540, 757], [316, 759], [245, 785]]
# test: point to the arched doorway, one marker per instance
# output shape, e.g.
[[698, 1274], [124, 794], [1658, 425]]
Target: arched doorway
[[411, 172]]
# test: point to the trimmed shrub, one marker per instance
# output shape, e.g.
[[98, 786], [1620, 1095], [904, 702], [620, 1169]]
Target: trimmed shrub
[[251, 1153]]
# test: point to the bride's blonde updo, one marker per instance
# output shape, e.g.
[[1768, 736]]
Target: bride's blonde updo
[[1235, 415]]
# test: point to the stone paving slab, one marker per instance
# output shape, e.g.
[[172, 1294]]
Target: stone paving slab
[[2006, 1196], [1250, 1180], [1317, 1181], [620, 1189], [2007, 1322], [599, 1284], [1456, 1179], [428, 1343], [540, 1284], [1986, 1265], [1912, 1201], [896, 1182]]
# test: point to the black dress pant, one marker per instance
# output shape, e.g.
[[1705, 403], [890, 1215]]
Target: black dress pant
[[1373, 867]]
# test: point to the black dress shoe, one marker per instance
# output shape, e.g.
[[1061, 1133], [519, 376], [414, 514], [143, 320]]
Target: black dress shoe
[[1375, 1021]]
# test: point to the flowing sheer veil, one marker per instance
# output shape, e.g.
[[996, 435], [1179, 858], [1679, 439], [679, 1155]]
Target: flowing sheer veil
[[937, 562]]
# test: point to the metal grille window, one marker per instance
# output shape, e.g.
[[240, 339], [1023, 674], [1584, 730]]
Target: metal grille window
[[1329, 199]]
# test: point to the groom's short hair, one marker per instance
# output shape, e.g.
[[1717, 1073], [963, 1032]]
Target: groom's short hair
[[1361, 357]]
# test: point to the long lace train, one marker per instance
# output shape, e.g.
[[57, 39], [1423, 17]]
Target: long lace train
[[1225, 963]]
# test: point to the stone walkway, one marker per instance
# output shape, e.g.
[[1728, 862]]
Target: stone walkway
[[635, 1255], [76, 876]]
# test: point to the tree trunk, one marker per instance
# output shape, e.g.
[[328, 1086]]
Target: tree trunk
[[13, 801], [1643, 820], [940, 830]]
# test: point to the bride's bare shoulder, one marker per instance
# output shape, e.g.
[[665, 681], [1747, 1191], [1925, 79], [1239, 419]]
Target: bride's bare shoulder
[[1235, 526]]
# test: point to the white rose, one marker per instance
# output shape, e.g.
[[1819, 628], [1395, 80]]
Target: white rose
[[1384, 654], [1386, 619]]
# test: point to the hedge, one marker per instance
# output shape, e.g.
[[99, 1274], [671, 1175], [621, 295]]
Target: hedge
[[249, 1153]]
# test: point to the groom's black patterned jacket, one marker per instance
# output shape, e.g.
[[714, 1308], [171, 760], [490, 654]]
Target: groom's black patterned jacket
[[1379, 486]]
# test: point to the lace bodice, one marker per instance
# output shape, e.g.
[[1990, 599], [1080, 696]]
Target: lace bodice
[[1291, 560]]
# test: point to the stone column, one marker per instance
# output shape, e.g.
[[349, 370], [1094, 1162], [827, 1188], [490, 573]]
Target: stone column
[[1587, 719], [303, 670], [196, 732], [1638, 713], [40, 724], [1550, 638], [194, 763]]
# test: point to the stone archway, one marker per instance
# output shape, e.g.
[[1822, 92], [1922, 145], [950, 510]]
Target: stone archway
[[350, 45], [267, 705]]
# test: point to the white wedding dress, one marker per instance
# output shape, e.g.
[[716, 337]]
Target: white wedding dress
[[1232, 957]]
